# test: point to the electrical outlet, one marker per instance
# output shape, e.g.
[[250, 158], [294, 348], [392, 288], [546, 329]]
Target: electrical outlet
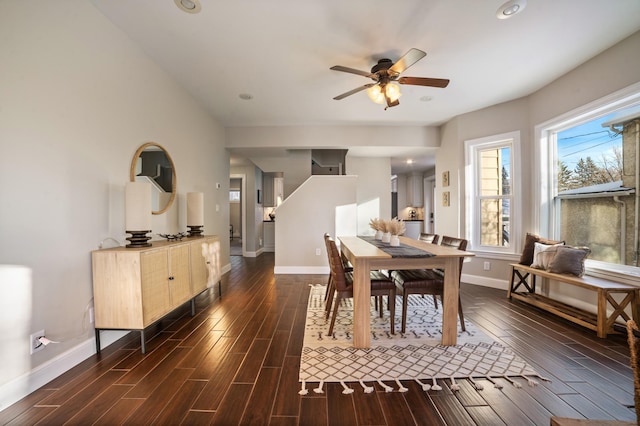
[[317, 252], [34, 343], [487, 266]]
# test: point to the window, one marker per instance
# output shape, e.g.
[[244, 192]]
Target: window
[[234, 196], [491, 197], [588, 193]]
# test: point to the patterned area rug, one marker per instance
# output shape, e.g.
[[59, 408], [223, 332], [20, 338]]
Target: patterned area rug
[[416, 355]]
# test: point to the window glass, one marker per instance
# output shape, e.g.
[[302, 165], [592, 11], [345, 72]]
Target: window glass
[[491, 194], [594, 200], [234, 196], [494, 197]]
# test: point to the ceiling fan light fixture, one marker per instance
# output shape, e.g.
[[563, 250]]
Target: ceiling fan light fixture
[[375, 94], [510, 8], [379, 95], [189, 6], [393, 91]]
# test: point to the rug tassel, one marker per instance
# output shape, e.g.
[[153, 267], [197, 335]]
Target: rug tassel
[[386, 388], [475, 384], [319, 388], [304, 390], [367, 389], [435, 386], [514, 383], [346, 390], [454, 385], [495, 384], [401, 388], [425, 386], [530, 381]]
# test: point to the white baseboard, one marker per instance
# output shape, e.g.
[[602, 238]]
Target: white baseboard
[[318, 270], [22, 386], [485, 282]]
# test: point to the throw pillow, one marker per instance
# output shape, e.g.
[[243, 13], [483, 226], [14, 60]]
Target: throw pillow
[[569, 260], [543, 254], [527, 252]]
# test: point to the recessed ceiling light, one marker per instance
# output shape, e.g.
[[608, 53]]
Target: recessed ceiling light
[[189, 6], [510, 8], [245, 96], [409, 161]]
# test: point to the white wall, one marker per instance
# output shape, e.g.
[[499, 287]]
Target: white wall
[[322, 204], [373, 190], [77, 99]]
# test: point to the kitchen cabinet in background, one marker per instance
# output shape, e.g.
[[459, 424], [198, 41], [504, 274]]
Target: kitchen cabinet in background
[[413, 228], [415, 190]]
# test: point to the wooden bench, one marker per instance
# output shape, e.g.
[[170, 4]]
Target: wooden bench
[[601, 322]]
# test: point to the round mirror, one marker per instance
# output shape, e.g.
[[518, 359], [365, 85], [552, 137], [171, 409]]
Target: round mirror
[[152, 163]]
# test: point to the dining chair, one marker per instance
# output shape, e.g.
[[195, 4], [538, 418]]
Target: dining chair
[[381, 285], [427, 281], [429, 238], [345, 263]]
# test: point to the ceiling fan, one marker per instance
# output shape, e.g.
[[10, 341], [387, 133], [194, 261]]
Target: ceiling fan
[[385, 74]]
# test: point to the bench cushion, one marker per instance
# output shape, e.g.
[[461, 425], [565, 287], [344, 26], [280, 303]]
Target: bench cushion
[[569, 260]]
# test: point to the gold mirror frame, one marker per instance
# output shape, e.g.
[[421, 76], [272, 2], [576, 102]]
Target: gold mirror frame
[[132, 172]]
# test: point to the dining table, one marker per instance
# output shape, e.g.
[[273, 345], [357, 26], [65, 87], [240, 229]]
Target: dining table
[[366, 255]]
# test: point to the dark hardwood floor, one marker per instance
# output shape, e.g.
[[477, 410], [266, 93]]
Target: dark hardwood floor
[[236, 362]]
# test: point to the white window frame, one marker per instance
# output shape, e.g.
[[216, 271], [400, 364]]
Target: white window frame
[[472, 148], [545, 171]]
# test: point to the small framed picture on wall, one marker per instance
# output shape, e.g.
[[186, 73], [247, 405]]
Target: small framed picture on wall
[[445, 199], [445, 179]]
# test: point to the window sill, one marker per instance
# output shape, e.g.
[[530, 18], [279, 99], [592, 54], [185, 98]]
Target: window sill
[[619, 273]]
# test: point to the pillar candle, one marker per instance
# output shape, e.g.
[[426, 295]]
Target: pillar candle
[[195, 209], [137, 204]]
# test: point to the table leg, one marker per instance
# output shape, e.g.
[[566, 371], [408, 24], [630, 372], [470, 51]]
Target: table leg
[[450, 301], [361, 304]]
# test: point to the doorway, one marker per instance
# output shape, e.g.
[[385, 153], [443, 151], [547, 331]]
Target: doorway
[[236, 215]]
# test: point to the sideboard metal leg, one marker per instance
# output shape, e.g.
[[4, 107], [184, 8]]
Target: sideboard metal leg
[[144, 349], [97, 331]]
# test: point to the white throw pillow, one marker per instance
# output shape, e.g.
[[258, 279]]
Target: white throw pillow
[[543, 254]]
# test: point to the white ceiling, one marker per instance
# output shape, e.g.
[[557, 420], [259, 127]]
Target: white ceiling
[[280, 52]]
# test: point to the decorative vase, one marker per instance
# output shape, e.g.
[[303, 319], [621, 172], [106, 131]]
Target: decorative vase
[[386, 237], [378, 234], [395, 240]]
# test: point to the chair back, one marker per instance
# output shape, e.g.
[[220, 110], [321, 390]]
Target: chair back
[[429, 238], [457, 243], [337, 268]]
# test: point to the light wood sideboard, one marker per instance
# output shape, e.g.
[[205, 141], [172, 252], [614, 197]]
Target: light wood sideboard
[[135, 287]]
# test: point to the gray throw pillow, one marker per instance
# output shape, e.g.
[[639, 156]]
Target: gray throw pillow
[[569, 260]]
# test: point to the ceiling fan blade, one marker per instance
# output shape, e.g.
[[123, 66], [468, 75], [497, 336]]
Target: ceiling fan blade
[[352, 71], [409, 58], [421, 81], [351, 92]]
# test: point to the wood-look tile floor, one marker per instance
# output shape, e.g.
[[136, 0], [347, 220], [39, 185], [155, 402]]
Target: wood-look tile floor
[[236, 362]]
